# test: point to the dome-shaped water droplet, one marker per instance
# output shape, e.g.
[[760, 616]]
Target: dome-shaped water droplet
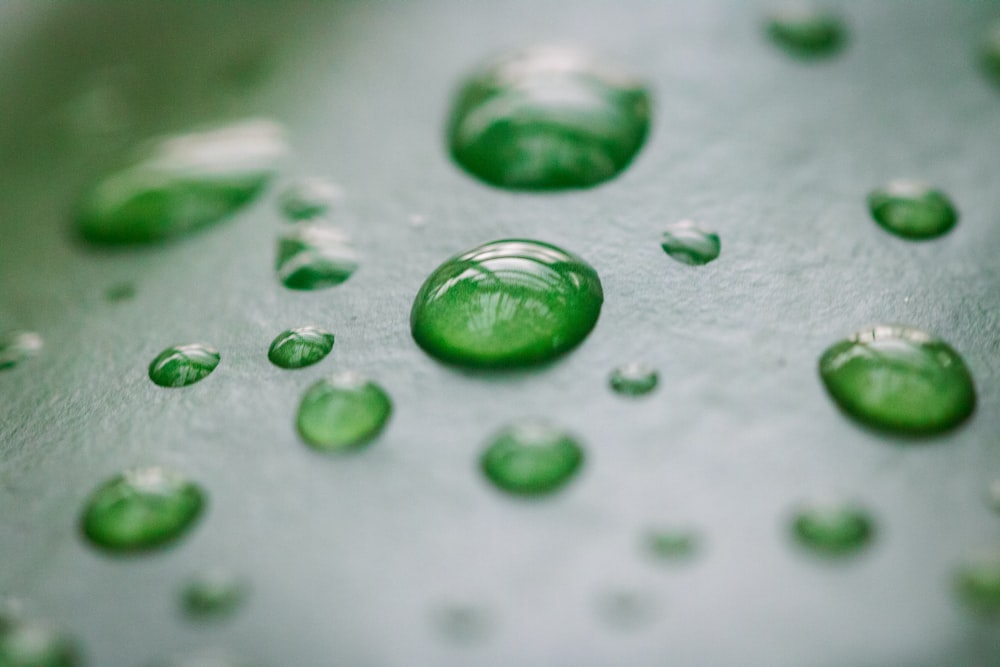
[[313, 256], [214, 594], [832, 527], [301, 347], [806, 30], [17, 346], [989, 53], [308, 198], [634, 379], [977, 582], [182, 365], [672, 544], [343, 413], [688, 243], [912, 209], [531, 458]]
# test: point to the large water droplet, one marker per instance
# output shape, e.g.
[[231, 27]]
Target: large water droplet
[[899, 379], [30, 643], [506, 304], [141, 509], [214, 594], [531, 458], [308, 198], [343, 413], [832, 527], [548, 118], [314, 256], [634, 379], [301, 347], [807, 31], [688, 243], [185, 182], [912, 209], [977, 582], [182, 365], [17, 346]]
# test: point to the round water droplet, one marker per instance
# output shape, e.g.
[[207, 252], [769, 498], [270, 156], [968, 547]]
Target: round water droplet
[[989, 54], [186, 182], [17, 346], [301, 347], [531, 458], [671, 544], [141, 509], [807, 31], [690, 244], [506, 304], [28, 643], [977, 583], [832, 528], [314, 256], [912, 209], [183, 365], [899, 379], [634, 379], [548, 118], [121, 292], [343, 413], [214, 594], [308, 198]]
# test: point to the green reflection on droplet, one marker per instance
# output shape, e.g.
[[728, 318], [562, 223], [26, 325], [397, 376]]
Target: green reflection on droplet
[[807, 31], [313, 255], [912, 210], [977, 583], [832, 527], [301, 347], [690, 244], [634, 379], [214, 594], [343, 413], [16, 346], [29, 643], [531, 458], [183, 365]]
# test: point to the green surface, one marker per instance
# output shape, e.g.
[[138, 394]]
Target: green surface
[[349, 556]]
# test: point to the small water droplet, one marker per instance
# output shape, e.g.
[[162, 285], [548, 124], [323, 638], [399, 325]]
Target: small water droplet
[[688, 243], [634, 379], [17, 346], [308, 198], [506, 304], [121, 292], [807, 31], [912, 210], [672, 544], [977, 582], [531, 458], [214, 594], [183, 365], [141, 509], [832, 527], [343, 413], [989, 53], [463, 624], [314, 256], [548, 118], [30, 643], [301, 347], [899, 379]]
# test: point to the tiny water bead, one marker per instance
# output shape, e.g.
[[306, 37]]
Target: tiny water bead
[[141, 509], [899, 379], [214, 594], [308, 198], [912, 210], [531, 458], [634, 379], [301, 347], [16, 346], [807, 31], [314, 256], [548, 118], [977, 583], [343, 413], [183, 365], [671, 544], [688, 243], [30, 643], [506, 304], [184, 183], [832, 528]]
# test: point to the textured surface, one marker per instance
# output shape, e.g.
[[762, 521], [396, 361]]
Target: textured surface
[[350, 558]]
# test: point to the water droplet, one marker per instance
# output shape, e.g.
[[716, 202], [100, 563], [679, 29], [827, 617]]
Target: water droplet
[[186, 182], [807, 31], [977, 583], [912, 209], [343, 413], [690, 244], [214, 594], [121, 292], [506, 304], [899, 379], [28, 643], [548, 118], [989, 54], [301, 347], [832, 527], [183, 365], [531, 458], [17, 346], [671, 544], [308, 198], [634, 379], [314, 256], [141, 509]]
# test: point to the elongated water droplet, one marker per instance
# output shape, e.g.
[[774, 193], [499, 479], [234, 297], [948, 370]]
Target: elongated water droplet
[[671, 544], [548, 118], [30, 643], [182, 365], [314, 256], [977, 582], [141, 509], [688, 243], [506, 304], [531, 458], [17, 346], [214, 594], [832, 527], [184, 183], [807, 31], [989, 53], [301, 347], [899, 379], [308, 198], [343, 413], [912, 209], [634, 379]]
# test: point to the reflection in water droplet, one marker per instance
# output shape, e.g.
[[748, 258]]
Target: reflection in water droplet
[[214, 594], [807, 31], [17, 346], [977, 582], [832, 527], [690, 244], [989, 53], [314, 256], [548, 118], [301, 347], [141, 509], [634, 379], [506, 304], [899, 379], [672, 544], [463, 624], [29, 643], [183, 365], [121, 292], [185, 182], [912, 210], [343, 413], [531, 458], [308, 198]]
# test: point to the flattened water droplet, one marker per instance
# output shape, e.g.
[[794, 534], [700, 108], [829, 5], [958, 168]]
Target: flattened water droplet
[[183, 365], [548, 118], [506, 304], [343, 413], [807, 31], [214, 594], [832, 527], [671, 544], [121, 292], [308, 198], [531, 458], [989, 53], [17, 346], [634, 379], [30, 643], [899, 379], [186, 182], [977, 583], [688, 243], [912, 210], [141, 509], [301, 347], [314, 256]]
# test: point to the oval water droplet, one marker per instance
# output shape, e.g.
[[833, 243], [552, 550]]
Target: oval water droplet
[[183, 365], [531, 458], [832, 527], [120, 292], [548, 118], [186, 182], [141, 509], [31, 643], [688, 243], [977, 582], [506, 304], [308, 198], [214, 594], [16, 346], [807, 31], [912, 210], [343, 413], [899, 379], [989, 54], [301, 347], [314, 256], [672, 544], [634, 379]]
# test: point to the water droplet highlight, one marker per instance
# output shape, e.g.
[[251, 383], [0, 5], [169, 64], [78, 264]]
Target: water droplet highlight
[[548, 118], [634, 379], [977, 583], [343, 413], [506, 304], [807, 31], [832, 527], [17, 346], [671, 544], [531, 458], [912, 210], [308, 198], [899, 379], [214, 594], [301, 347], [30, 643], [183, 365], [141, 509], [688, 243], [314, 256]]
